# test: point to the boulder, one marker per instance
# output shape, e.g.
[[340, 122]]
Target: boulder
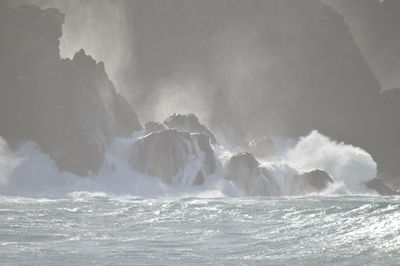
[[174, 157], [310, 182], [188, 123], [249, 178]]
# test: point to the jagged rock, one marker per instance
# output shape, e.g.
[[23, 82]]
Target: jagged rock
[[152, 126], [188, 123], [174, 157], [313, 181], [303, 64], [381, 188], [69, 107], [262, 148], [249, 177]]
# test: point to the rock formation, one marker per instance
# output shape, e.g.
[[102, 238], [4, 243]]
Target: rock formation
[[249, 177], [279, 67], [68, 107], [188, 123], [311, 182], [152, 126], [175, 157], [378, 185]]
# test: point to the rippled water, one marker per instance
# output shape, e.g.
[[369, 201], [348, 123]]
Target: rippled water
[[103, 230]]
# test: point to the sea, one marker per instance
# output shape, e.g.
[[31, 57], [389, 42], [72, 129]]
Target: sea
[[88, 228]]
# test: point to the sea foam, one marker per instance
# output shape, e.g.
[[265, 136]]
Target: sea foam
[[27, 171]]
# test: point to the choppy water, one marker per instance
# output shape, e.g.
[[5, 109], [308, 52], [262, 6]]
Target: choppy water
[[98, 229]]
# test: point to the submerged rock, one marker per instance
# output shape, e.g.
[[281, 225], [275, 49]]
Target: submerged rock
[[310, 182], [249, 177], [175, 157], [188, 123]]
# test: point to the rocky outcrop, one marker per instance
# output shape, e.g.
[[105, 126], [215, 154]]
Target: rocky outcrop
[[152, 126], [249, 178], [69, 107], [378, 185], [188, 123], [311, 182], [175, 157], [374, 25], [282, 67]]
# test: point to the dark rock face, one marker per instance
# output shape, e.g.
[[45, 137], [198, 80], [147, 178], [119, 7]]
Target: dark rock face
[[314, 181], [152, 126], [301, 57], [381, 188], [305, 71], [375, 26], [262, 148], [188, 123], [68, 107], [249, 177], [174, 157]]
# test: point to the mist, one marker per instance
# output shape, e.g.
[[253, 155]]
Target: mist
[[192, 132], [248, 71], [101, 28]]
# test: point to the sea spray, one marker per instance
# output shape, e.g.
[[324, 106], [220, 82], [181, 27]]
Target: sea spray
[[348, 165], [27, 171]]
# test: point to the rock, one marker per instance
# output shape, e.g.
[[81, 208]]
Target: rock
[[175, 157], [249, 177], [69, 107], [152, 126], [262, 148], [381, 188], [304, 62], [313, 181], [199, 180], [188, 123]]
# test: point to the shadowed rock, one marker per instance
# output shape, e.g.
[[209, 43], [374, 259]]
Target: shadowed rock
[[282, 67], [152, 126], [69, 107], [309, 182], [381, 188], [249, 177], [188, 123], [174, 157]]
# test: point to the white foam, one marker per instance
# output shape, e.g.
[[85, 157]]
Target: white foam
[[27, 171], [348, 165]]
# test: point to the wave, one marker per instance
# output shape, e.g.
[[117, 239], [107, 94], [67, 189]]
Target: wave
[[27, 171]]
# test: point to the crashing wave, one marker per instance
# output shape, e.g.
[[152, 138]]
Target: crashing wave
[[172, 162]]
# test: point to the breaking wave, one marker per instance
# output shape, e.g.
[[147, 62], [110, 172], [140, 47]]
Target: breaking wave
[[27, 171]]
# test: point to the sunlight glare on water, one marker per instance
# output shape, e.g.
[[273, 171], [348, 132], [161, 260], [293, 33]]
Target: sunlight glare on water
[[99, 229]]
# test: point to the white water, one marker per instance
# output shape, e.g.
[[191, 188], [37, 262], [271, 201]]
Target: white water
[[29, 172], [48, 217], [96, 229]]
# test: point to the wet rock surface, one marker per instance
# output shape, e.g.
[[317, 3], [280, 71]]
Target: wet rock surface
[[174, 157]]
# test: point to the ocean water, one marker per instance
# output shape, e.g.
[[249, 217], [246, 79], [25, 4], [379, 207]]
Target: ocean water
[[99, 229]]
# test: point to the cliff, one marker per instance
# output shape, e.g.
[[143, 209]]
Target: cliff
[[69, 107]]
